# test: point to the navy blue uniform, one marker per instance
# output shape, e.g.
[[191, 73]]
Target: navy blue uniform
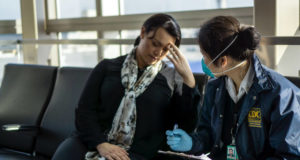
[[268, 126]]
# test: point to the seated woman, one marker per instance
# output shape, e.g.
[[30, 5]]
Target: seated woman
[[249, 111], [130, 101]]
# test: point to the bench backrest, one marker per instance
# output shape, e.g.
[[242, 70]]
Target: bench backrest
[[24, 95], [59, 119]]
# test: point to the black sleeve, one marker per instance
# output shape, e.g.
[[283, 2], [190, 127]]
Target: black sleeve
[[87, 121], [184, 106]]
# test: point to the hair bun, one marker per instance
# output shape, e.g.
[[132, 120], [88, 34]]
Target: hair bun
[[249, 38]]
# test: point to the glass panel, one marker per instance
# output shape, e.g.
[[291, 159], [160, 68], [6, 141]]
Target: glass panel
[[79, 35], [138, 6], [76, 8], [189, 32], [110, 7], [111, 51], [130, 34], [78, 55], [239, 3], [10, 9], [154, 6], [9, 53], [10, 36], [126, 49], [111, 34]]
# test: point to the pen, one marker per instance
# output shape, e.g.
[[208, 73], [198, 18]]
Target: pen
[[175, 126], [207, 154]]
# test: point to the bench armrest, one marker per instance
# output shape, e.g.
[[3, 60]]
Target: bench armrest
[[26, 129]]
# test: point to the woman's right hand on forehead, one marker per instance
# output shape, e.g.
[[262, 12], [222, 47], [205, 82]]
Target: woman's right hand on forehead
[[181, 65]]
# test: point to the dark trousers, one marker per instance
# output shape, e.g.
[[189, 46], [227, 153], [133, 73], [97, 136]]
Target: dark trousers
[[73, 149], [70, 149]]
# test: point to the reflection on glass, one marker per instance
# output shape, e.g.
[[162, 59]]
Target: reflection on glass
[[76, 8]]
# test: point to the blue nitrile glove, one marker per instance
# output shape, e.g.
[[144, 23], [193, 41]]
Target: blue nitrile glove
[[179, 140]]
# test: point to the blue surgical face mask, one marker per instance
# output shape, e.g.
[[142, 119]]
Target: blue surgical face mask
[[205, 68]]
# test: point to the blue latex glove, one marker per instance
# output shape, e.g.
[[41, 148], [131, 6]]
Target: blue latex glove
[[179, 140]]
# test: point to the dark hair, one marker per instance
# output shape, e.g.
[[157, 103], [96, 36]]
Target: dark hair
[[217, 33], [164, 21]]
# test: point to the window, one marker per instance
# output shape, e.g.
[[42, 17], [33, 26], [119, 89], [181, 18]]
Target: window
[[10, 10], [78, 55], [9, 53], [112, 50], [153, 6], [129, 34], [189, 32], [76, 8], [110, 7], [138, 6], [238, 3]]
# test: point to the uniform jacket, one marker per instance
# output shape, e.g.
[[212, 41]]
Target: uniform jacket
[[269, 121]]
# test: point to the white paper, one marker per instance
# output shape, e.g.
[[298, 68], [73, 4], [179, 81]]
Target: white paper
[[201, 157]]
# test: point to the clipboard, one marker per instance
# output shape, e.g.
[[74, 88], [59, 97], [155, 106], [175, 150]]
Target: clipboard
[[190, 156]]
